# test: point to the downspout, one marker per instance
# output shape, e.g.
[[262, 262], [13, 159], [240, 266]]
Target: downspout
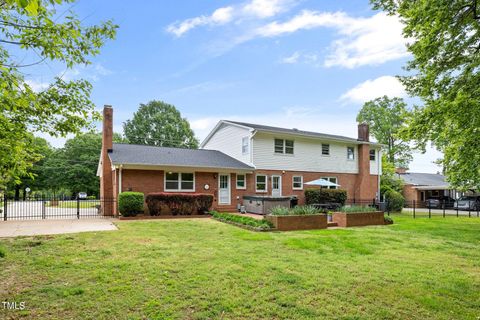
[[120, 179]]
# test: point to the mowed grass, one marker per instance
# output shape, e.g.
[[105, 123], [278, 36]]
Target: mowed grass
[[205, 269]]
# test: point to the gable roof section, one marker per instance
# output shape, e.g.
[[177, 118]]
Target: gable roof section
[[263, 128], [424, 179], [133, 154]]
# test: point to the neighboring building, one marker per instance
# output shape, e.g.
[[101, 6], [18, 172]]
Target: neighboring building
[[420, 187], [238, 159]]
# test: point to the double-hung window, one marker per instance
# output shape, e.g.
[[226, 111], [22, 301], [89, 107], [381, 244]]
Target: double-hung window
[[297, 182], [241, 181], [331, 179], [350, 153], [283, 146], [261, 183], [325, 149], [179, 181], [245, 145], [372, 155]]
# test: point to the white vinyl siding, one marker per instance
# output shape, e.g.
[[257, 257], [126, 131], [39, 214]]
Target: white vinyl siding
[[229, 140], [307, 156], [245, 145]]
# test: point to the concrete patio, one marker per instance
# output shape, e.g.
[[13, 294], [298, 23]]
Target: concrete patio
[[13, 228]]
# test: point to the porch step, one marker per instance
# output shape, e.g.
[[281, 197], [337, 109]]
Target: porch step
[[332, 224]]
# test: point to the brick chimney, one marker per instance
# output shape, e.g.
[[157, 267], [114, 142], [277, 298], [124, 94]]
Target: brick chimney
[[363, 132], [107, 187], [365, 184]]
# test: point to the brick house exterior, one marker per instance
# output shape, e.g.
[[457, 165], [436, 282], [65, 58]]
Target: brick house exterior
[[251, 155]]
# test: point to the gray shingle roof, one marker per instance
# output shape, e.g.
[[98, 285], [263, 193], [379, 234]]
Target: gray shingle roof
[[424, 179], [164, 156], [326, 136]]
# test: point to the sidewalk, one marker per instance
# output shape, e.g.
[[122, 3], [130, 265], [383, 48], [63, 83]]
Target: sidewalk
[[14, 228]]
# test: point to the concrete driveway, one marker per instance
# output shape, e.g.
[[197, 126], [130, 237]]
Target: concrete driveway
[[47, 227]]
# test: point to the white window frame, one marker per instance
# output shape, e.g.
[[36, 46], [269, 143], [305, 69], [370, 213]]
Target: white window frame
[[179, 182], [246, 145], [266, 183], [328, 146], [244, 181], [353, 153], [284, 146], [301, 183], [374, 155], [328, 179]]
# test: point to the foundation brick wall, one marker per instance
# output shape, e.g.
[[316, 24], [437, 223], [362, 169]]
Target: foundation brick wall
[[149, 181], [410, 193]]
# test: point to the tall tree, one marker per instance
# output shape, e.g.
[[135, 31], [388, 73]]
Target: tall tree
[[159, 124], [386, 118], [445, 74], [35, 29], [74, 167]]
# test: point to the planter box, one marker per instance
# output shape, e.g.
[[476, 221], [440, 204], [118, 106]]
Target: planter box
[[303, 222], [358, 219]]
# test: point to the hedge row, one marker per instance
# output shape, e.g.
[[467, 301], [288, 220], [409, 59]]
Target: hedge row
[[179, 203], [313, 196]]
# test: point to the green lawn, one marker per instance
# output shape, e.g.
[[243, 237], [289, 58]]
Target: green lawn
[[205, 269], [83, 204]]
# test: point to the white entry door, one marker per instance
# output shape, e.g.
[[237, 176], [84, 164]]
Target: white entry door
[[276, 186], [223, 189]]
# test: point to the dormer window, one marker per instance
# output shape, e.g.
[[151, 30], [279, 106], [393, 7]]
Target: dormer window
[[283, 146]]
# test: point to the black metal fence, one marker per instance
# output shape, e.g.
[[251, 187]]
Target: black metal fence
[[54, 208], [425, 209]]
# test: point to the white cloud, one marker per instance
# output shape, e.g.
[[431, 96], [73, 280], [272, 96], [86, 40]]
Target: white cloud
[[363, 41], [253, 9], [266, 8], [218, 17], [368, 41], [291, 59], [371, 89], [37, 86], [305, 20], [305, 58], [89, 72]]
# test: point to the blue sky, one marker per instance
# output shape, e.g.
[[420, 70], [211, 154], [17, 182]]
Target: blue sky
[[291, 63]]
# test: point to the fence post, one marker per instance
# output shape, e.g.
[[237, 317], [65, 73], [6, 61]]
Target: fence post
[[457, 207], [429, 210], [43, 207], [469, 213], [78, 208], [5, 207], [413, 209], [444, 208]]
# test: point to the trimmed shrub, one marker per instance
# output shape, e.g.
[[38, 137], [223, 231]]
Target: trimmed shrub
[[313, 196], [395, 201], [388, 220], [246, 221], [179, 203], [130, 203]]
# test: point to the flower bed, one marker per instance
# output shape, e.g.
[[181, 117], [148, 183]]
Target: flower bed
[[243, 222], [301, 222], [358, 216], [298, 218]]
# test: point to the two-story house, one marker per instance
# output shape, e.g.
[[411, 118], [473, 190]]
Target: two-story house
[[238, 159]]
